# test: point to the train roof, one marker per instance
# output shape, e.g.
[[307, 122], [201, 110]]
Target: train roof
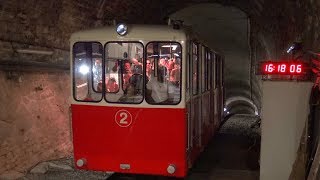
[[135, 32]]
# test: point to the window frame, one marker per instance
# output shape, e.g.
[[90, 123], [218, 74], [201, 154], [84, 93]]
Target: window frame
[[214, 70], [203, 69], [197, 69], [120, 75], [144, 68], [208, 69], [90, 71]]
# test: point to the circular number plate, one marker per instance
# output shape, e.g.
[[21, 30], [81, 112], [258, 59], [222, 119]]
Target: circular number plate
[[123, 118]]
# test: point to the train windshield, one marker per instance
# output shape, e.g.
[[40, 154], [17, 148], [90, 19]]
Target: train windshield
[[124, 72], [121, 74], [163, 73], [87, 74]]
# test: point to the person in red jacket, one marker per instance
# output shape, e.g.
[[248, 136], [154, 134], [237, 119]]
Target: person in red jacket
[[112, 85]]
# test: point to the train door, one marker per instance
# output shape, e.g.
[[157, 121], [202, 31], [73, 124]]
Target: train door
[[188, 100], [210, 90], [195, 100], [219, 90], [222, 94], [205, 129], [216, 91]]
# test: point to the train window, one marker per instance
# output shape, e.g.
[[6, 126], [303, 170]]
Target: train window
[[188, 71], [212, 69], [213, 73], [195, 69], [124, 72], [87, 71], [208, 70], [203, 69], [163, 74], [221, 72], [217, 73]]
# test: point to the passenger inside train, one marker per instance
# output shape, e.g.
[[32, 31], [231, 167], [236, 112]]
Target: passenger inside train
[[112, 86], [164, 84], [126, 74], [175, 72], [148, 70]]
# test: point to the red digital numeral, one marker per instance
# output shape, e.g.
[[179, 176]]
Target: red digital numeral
[[282, 68], [299, 68], [292, 68]]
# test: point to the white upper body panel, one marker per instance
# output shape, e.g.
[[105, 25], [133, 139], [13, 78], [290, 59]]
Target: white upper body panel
[[135, 33]]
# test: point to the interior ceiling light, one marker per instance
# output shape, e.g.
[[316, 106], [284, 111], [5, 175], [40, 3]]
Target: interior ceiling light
[[174, 47], [84, 69], [122, 29]]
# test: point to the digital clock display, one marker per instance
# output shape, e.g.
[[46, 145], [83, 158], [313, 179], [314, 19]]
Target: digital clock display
[[282, 68]]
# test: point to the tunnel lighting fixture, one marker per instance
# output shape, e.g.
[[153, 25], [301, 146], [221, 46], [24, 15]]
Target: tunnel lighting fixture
[[84, 69], [290, 49], [33, 51], [161, 55], [228, 112], [224, 109], [122, 29], [174, 47], [296, 46]]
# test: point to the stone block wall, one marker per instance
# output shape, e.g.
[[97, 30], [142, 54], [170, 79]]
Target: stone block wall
[[34, 119]]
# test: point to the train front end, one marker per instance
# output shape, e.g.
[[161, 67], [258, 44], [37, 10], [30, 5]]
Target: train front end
[[130, 140], [128, 110]]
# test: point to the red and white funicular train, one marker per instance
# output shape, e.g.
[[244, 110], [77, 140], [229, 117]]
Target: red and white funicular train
[[145, 99]]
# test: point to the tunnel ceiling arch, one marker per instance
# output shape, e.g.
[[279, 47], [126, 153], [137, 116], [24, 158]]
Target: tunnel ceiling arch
[[226, 30]]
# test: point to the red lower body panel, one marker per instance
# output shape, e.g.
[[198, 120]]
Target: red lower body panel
[[130, 140]]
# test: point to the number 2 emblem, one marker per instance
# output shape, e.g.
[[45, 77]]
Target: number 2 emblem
[[123, 118]]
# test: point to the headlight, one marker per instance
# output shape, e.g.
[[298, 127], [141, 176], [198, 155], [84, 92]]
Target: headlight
[[122, 29]]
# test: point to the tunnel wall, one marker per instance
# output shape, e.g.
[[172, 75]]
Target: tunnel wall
[[34, 119]]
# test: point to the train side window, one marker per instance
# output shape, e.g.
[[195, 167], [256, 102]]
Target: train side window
[[188, 71], [217, 68], [208, 70], [203, 69], [124, 72], [195, 69], [87, 71], [212, 70], [164, 84], [221, 72]]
